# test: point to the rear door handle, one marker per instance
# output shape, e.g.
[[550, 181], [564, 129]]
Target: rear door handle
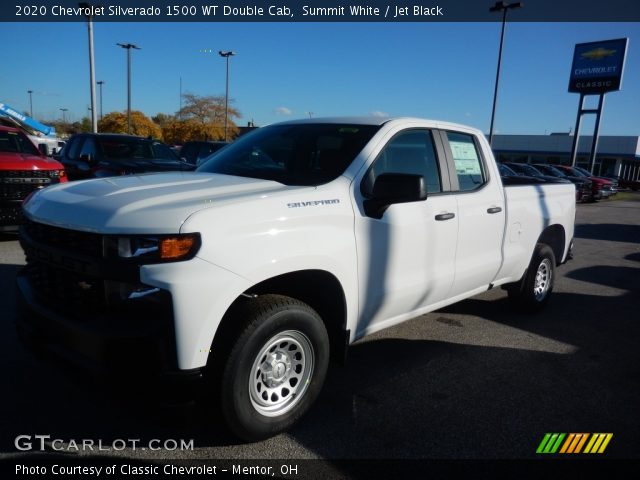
[[494, 210], [445, 216]]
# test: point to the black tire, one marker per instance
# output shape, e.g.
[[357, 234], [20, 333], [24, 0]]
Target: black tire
[[533, 291], [291, 374]]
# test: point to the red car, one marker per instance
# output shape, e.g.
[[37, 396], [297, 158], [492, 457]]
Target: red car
[[23, 169], [600, 187]]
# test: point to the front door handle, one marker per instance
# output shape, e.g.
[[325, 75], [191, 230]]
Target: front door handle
[[445, 216], [494, 210]]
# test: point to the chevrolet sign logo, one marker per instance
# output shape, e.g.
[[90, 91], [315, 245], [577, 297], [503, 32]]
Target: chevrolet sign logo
[[598, 53]]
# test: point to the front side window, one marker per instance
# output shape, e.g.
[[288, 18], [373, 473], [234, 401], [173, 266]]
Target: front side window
[[408, 152], [294, 154], [469, 168]]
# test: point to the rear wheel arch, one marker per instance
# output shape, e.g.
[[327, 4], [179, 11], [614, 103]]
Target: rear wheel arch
[[554, 236]]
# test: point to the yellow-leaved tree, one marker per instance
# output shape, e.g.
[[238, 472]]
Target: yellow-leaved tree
[[201, 118], [116, 122]]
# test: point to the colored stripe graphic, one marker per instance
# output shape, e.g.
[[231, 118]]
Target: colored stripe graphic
[[598, 442], [567, 443], [551, 442], [543, 443]]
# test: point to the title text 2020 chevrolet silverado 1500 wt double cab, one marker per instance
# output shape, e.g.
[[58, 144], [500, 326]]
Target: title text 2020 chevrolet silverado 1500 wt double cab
[[282, 249]]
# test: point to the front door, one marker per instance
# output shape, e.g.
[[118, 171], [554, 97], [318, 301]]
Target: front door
[[406, 259]]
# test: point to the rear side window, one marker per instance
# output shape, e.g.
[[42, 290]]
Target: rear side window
[[469, 168], [160, 150], [89, 148], [408, 152]]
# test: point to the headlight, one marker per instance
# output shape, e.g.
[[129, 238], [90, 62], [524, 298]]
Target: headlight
[[152, 248]]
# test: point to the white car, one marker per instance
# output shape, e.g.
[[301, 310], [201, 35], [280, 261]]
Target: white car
[[280, 251]]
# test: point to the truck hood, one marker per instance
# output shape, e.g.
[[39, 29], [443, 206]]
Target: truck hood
[[139, 165], [153, 203], [25, 161]]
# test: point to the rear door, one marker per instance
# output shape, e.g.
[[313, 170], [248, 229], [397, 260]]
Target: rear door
[[481, 212]]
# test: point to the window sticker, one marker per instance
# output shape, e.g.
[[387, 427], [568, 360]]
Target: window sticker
[[465, 158]]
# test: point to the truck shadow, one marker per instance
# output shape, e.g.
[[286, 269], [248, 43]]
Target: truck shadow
[[609, 231]]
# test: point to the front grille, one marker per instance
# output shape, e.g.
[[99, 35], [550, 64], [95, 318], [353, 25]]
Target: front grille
[[86, 243], [29, 173], [16, 191], [16, 185], [66, 291]]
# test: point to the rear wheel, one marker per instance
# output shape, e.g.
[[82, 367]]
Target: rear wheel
[[275, 368], [532, 293]]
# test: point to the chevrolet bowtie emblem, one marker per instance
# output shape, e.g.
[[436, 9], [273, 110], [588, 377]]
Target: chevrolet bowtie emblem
[[598, 53]]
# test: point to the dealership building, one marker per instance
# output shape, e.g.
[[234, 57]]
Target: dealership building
[[616, 155]]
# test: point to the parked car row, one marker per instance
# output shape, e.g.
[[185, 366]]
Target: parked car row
[[624, 183], [589, 188], [600, 187]]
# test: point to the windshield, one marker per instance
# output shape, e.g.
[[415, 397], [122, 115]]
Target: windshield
[[301, 154], [16, 142], [550, 170], [506, 171], [575, 172], [586, 172], [525, 169], [123, 148]]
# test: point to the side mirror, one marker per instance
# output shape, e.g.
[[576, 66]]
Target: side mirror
[[44, 149], [87, 158], [392, 188]]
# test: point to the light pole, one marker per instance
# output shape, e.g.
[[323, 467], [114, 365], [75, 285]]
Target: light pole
[[92, 68], [128, 47], [500, 7], [226, 55], [100, 83], [64, 117], [30, 92]]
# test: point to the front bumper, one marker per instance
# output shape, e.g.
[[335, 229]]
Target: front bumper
[[134, 339], [10, 216]]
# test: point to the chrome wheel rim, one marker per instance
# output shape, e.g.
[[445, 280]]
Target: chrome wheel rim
[[543, 280], [281, 373]]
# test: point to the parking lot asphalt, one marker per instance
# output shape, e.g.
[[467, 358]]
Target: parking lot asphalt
[[474, 380]]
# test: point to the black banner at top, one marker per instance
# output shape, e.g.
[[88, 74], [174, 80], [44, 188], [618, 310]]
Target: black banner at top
[[316, 11]]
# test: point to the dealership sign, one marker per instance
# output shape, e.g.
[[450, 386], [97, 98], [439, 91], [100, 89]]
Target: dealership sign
[[597, 66]]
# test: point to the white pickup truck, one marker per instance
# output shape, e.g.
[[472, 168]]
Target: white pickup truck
[[281, 250]]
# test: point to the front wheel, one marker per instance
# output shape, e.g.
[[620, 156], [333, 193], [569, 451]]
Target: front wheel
[[275, 368], [532, 293]]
